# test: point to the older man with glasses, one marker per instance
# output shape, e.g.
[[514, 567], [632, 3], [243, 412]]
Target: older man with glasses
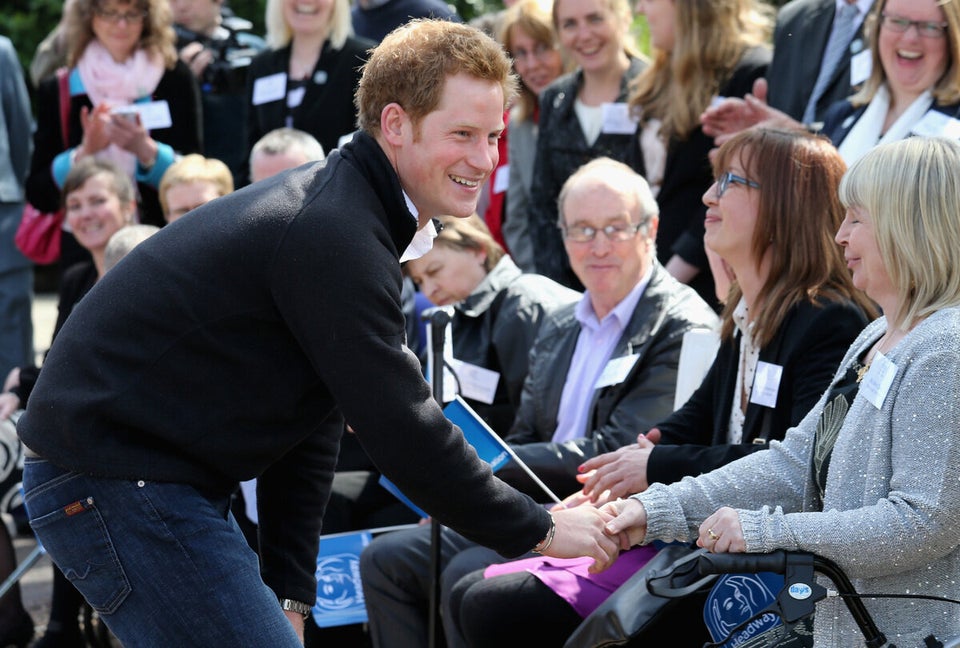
[[617, 349]]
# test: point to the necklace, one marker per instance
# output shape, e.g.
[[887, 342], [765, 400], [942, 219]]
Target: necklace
[[877, 349]]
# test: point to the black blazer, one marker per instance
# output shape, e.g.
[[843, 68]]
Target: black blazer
[[809, 346], [801, 34], [842, 116], [327, 111], [688, 174], [562, 149]]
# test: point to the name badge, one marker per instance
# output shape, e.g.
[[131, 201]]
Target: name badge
[[272, 87], [477, 383], [766, 384], [154, 114], [616, 371], [934, 124], [617, 119], [295, 97], [876, 383], [501, 179], [861, 65]]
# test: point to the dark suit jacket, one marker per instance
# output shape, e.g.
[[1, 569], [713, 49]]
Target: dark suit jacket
[[327, 111], [665, 312], [842, 116], [809, 346], [803, 27], [687, 175]]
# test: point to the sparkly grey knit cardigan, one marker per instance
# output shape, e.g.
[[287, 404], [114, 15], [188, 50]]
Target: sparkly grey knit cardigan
[[891, 511]]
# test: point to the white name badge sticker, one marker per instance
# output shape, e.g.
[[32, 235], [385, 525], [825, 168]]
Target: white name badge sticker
[[936, 124], [272, 87], [876, 383], [155, 114], [861, 65], [617, 119], [477, 383], [501, 179], [295, 97], [766, 384], [616, 371]]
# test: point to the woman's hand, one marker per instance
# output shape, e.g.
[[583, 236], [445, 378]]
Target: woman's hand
[[9, 403], [13, 379], [629, 523], [95, 135], [619, 473], [722, 532], [130, 135], [579, 532]]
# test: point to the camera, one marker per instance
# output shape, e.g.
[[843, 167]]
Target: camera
[[227, 72]]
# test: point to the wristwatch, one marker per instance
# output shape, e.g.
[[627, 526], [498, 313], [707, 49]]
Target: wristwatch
[[295, 606]]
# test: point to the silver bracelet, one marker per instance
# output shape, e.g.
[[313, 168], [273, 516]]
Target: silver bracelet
[[544, 544]]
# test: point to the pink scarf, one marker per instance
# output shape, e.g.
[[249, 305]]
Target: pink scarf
[[118, 84]]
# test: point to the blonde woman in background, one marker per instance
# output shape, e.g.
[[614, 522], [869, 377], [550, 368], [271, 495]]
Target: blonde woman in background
[[308, 77], [583, 115]]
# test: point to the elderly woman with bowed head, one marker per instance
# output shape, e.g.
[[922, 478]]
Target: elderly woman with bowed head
[[870, 478]]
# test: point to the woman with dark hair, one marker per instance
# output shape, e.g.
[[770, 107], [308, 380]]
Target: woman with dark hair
[[790, 314], [870, 478], [131, 102]]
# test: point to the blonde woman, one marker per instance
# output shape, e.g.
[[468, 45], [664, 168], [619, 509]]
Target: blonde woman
[[583, 115], [701, 50], [307, 79]]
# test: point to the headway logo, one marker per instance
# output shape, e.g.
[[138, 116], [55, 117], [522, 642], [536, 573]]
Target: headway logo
[[338, 582]]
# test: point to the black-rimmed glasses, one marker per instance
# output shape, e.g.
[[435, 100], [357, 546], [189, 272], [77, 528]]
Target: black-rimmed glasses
[[131, 17], [926, 28], [727, 178]]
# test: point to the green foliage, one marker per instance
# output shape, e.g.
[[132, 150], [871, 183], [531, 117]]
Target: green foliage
[[27, 22]]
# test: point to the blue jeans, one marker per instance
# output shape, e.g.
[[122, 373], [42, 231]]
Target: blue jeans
[[163, 564]]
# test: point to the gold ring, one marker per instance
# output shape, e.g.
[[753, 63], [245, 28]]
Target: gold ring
[[713, 535]]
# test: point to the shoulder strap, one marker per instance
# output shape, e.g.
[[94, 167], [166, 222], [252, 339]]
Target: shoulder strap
[[63, 78]]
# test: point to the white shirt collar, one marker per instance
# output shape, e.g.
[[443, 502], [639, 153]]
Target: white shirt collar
[[423, 240]]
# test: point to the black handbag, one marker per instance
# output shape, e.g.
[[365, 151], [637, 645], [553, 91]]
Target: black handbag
[[633, 615]]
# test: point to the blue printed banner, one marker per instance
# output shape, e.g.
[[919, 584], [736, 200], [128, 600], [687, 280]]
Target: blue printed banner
[[339, 593]]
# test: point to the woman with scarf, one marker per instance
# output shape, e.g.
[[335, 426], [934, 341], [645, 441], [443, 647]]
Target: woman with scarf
[[132, 102]]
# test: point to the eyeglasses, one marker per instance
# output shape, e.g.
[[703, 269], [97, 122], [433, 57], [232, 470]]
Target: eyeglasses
[[613, 232], [115, 17], [926, 28], [727, 178], [539, 51]]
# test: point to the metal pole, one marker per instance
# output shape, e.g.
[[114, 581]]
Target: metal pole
[[439, 319]]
